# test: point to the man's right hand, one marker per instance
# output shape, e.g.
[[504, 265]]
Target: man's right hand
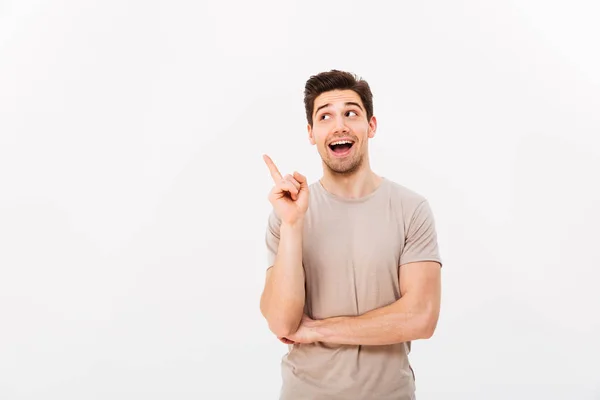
[[289, 196]]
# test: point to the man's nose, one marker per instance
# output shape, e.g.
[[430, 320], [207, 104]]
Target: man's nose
[[340, 125]]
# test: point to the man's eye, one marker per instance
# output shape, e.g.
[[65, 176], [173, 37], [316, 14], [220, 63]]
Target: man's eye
[[324, 116], [351, 113]]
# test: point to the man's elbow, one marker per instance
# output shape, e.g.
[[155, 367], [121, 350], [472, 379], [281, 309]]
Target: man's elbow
[[280, 321], [427, 333], [283, 328], [428, 326]]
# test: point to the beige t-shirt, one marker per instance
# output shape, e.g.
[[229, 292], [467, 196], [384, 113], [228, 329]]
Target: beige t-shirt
[[352, 252]]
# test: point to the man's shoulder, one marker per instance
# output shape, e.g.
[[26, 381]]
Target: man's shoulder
[[313, 185], [403, 194]]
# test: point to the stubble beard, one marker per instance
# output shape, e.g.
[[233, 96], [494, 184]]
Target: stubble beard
[[344, 167]]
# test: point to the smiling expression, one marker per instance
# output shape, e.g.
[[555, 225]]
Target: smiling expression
[[341, 130]]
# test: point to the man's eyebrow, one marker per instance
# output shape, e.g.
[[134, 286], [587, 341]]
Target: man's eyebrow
[[348, 103], [323, 106], [352, 103]]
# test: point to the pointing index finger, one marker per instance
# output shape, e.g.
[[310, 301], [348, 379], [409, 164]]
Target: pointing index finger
[[275, 174]]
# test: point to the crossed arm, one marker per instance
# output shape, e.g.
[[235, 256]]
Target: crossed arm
[[414, 316]]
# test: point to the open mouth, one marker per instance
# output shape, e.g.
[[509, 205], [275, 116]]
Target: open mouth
[[341, 147]]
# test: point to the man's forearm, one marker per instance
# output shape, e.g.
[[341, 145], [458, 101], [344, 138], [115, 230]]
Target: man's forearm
[[282, 302], [396, 323]]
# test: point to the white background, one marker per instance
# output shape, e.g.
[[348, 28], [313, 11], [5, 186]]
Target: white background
[[133, 194]]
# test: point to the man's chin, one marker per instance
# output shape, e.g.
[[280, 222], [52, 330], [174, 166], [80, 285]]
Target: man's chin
[[343, 168]]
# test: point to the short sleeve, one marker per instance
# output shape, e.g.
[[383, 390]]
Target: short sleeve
[[421, 238], [272, 237]]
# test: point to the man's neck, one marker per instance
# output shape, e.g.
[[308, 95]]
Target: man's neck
[[359, 184]]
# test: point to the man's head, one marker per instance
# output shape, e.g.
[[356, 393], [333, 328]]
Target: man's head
[[339, 107]]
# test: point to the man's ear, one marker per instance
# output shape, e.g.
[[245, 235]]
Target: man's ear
[[372, 127], [311, 138]]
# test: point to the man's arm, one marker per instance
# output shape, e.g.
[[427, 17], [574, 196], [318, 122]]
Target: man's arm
[[282, 300], [414, 316]]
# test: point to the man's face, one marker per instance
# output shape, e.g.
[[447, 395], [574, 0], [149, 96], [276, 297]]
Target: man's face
[[341, 130]]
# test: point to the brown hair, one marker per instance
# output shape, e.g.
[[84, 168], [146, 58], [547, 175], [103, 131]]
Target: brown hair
[[336, 80]]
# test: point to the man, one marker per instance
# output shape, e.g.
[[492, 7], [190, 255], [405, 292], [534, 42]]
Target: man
[[354, 267]]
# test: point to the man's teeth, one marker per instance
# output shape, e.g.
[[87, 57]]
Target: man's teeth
[[341, 142]]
